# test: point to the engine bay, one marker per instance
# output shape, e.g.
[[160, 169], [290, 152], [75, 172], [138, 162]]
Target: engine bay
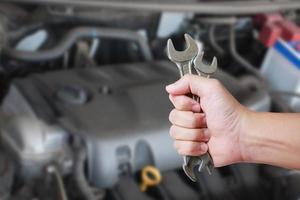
[[83, 102]]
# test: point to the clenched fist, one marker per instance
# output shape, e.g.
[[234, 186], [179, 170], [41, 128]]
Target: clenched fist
[[228, 130], [214, 125]]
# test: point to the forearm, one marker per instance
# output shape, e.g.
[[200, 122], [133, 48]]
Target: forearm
[[272, 138]]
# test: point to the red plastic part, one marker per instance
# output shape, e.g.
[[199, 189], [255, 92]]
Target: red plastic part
[[269, 34], [273, 26], [290, 31], [262, 19]]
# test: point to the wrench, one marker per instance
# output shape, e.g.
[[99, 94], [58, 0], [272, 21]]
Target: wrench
[[184, 61], [203, 69]]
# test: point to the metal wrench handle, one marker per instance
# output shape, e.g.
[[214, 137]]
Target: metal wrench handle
[[186, 68], [203, 69], [184, 61], [190, 162]]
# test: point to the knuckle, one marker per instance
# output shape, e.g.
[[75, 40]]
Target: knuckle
[[203, 148], [172, 131], [172, 115]]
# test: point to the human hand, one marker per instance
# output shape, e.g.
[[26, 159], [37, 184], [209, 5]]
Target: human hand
[[218, 128]]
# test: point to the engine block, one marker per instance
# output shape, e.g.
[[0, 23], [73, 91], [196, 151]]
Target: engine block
[[120, 111]]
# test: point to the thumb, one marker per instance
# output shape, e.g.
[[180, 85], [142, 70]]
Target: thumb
[[188, 84]]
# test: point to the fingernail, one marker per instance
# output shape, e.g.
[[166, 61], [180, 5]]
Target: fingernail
[[206, 133], [169, 87], [196, 107], [204, 119], [203, 146]]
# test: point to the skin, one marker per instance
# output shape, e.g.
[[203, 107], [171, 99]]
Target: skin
[[231, 132]]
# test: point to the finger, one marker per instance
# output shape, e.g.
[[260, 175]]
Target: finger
[[187, 119], [190, 148], [196, 135], [191, 84], [185, 103]]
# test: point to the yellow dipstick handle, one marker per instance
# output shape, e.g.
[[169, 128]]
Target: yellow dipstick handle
[[150, 177]]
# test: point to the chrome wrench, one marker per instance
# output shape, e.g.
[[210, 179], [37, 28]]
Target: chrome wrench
[[184, 62], [183, 59], [205, 70]]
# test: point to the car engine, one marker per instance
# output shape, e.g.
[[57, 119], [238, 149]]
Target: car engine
[[83, 102]]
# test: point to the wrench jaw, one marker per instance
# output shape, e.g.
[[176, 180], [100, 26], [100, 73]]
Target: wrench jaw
[[187, 55], [192, 163], [189, 171], [170, 50], [207, 163], [203, 68], [183, 59]]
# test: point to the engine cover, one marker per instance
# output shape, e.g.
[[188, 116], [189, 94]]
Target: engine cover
[[120, 111]]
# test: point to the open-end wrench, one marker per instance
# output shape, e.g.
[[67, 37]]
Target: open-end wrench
[[184, 61], [203, 69]]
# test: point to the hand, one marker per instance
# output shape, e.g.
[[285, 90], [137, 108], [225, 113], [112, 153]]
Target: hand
[[218, 129]]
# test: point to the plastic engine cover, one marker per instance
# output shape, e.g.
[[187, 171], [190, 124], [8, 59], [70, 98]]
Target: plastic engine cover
[[121, 112]]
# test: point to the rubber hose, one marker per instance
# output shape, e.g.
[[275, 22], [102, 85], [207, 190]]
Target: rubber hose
[[72, 36], [212, 40], [243, 62], [79, 175]]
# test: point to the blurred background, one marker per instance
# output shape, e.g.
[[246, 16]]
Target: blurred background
[[84, 112]]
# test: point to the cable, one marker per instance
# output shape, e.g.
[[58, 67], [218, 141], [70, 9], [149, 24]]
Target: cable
[[212, 40], [247, 65], [79, 176], [213, 22], [231, 21], [75, 34], [25, 30], [243, 62], [62, 190], [210, 8]]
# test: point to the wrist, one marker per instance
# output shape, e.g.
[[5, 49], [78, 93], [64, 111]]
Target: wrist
[[246, 135]]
